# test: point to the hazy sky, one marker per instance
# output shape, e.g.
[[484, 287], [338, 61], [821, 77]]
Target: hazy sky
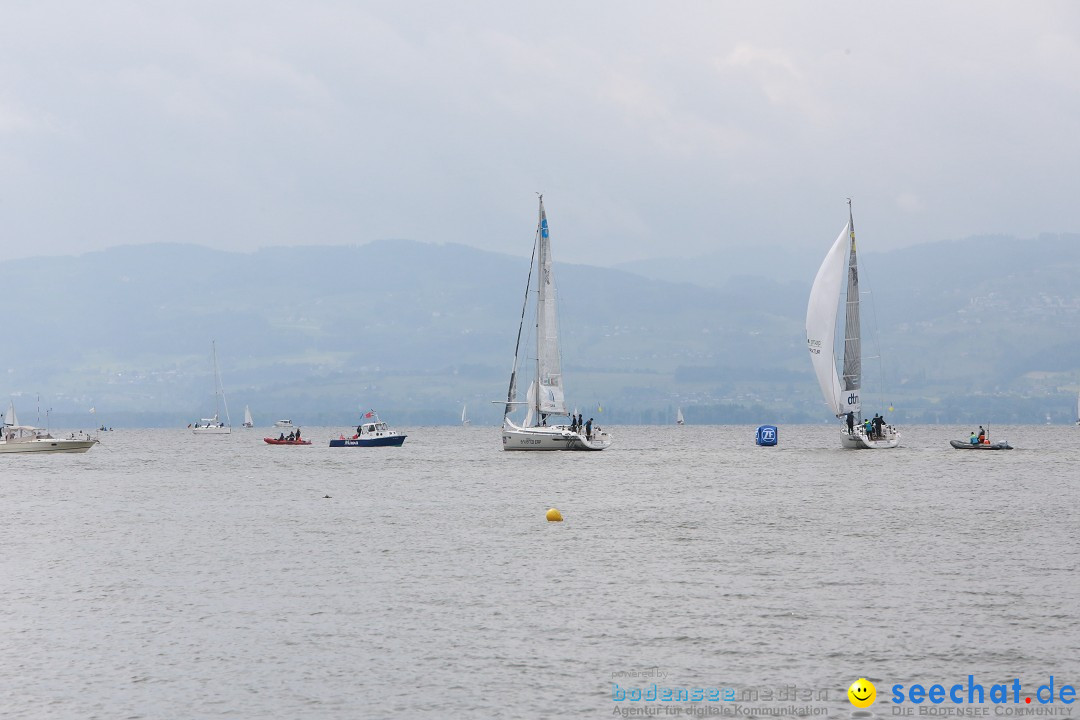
[[653, 128]]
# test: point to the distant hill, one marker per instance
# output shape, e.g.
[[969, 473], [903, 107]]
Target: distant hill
[[987, 328]]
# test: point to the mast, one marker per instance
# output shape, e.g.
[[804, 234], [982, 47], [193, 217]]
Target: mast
[[852, 342], [217, 380], [542, 249]]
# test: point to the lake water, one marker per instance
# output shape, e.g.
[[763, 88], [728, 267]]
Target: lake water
[[164, 575]]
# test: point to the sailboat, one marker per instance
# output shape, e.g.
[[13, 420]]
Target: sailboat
[[545, 398], [679, 418], [821, 313], [214, 426], [248, 422], [18, 438], [464, 416]]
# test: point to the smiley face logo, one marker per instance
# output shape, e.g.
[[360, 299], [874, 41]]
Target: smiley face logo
[[862, 693]]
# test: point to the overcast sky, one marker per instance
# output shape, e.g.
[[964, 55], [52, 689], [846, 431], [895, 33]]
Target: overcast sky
[[653, 128]]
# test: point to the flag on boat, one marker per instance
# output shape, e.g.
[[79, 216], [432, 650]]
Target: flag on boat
[[369, 414]]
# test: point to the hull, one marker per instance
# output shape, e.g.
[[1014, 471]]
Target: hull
[[960, 445], [558, 437], [394, 440], [275, 441], [858, 440], [47, 445], [212, 430]]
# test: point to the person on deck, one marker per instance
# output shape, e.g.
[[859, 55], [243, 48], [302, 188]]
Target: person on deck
[[851, 422], [588, 430], [982, 434], [974, 438]]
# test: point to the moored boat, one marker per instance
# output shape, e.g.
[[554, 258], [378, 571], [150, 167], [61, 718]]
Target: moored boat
[[18, 438], [214, 425]]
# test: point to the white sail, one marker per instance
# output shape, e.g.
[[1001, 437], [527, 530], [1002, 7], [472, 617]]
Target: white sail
[[821, 323], [248, 422], [9, 417], [679, 417], [548, 364], [464, 414]]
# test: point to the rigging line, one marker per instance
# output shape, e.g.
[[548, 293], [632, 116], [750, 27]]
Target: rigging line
[[512, 390]]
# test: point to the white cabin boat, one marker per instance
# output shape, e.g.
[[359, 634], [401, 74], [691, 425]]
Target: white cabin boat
[[18, 438]]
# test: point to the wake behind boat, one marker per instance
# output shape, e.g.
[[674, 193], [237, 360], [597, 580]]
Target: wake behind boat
[[821, 314], [545, 397], [18, 438]]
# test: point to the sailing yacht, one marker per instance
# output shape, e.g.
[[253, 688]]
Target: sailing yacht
[[544, 399], [464, 416], [821, 314], [248, 422], [214, 426], [679, 418]]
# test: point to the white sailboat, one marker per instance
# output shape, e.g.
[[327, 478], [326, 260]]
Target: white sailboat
[[821, 314], [464, 415], [545, 397], [214, 426], [679, 418], [18, 438], [248, 422]]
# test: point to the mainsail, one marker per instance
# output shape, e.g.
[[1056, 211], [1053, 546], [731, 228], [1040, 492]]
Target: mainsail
[[852, 331], [549, 396]]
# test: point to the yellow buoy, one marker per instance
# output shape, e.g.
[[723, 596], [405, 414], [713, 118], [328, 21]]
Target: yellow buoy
[[554, 515]]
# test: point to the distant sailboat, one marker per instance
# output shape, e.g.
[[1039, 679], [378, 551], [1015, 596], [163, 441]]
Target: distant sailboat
[[248, 422], [1078, 407], [464, 416], [679, 418], [214, 426], [821, 314], [545, 398]]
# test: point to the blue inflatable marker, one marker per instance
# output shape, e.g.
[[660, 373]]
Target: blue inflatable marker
[[766, 435]]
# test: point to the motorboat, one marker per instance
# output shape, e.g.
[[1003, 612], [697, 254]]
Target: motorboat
[[371, 432]]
